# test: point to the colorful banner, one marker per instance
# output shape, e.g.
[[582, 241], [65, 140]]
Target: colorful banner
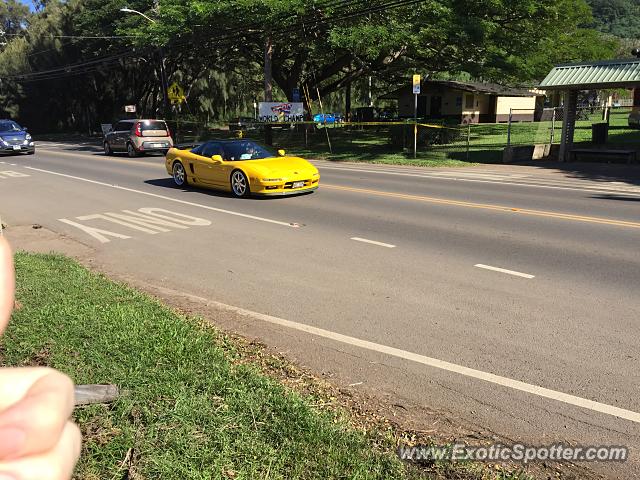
[[281, 112]]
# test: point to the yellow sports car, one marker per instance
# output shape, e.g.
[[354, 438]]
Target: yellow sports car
[[241, 167]]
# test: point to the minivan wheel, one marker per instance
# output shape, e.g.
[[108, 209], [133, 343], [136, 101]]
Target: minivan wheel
[[107, 149], [131, 151]]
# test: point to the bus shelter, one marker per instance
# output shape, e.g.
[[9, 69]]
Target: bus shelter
[[573, 78]]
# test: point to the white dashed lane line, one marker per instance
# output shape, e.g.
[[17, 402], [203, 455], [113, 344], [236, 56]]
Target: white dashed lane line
[[504, 270], [372, 242]]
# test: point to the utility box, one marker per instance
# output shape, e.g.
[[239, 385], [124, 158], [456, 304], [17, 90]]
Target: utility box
[[599, 133]]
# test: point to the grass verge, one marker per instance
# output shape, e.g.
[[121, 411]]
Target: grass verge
[[191, 408]]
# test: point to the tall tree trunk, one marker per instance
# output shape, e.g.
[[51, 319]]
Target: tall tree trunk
[[347, 102]]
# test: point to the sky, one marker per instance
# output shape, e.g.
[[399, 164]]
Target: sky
[[28, 2]]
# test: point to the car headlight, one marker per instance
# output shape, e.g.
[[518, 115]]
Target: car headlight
[[28, 137], [271, 180]]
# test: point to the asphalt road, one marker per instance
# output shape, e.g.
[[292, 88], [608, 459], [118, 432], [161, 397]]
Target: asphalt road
[[462, 290]]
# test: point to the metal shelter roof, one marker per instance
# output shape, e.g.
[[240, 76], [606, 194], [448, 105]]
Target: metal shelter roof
[[594, 76]]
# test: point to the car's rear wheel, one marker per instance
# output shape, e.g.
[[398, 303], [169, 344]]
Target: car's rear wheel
[[107, 149], [239, 184], [179, 175], [131, 150]]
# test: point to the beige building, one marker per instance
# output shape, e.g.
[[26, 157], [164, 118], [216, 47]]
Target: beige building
[[467, 102]]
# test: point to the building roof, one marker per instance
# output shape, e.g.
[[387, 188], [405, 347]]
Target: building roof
[[594, 75], [473, 87]]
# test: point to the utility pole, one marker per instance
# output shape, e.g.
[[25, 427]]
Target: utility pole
[[3, 43], [268, 83], [165, 86], [347, 102]]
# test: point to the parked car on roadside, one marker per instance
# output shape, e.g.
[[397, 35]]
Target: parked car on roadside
[[327, 118], [243, 124], [387, 116], [137, 137], [15, 139]]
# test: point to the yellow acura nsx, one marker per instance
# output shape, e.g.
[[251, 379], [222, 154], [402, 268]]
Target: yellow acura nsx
[[241, 167]]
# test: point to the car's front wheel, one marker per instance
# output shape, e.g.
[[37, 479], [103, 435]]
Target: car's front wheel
[[179, 175], [239, 184]]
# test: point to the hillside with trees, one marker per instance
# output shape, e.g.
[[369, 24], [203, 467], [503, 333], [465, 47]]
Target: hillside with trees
[[617, 17]]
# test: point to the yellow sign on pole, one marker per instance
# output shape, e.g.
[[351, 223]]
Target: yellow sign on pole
[[176, 93], [416, 84], [416, 91]]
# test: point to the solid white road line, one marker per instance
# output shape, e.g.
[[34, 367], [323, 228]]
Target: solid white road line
[[438, 176], [373, 242], [184, 202], [428, 361], [503, 270]]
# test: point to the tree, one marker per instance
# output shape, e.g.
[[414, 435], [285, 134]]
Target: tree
[[326, 46], [14, 17], [215, 50], [617, 17]]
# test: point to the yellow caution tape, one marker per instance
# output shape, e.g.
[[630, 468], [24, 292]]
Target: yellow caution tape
[[339, 124]]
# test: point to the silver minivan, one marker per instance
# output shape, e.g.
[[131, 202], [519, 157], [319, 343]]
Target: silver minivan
[[137, 137]]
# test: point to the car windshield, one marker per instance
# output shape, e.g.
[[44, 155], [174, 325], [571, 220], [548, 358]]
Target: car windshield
[[245, 151], [9, 126]]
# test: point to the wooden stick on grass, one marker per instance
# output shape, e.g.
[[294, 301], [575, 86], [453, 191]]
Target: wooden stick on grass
[[92, 394]]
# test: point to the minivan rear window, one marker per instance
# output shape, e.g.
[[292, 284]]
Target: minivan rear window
[[153, 125]]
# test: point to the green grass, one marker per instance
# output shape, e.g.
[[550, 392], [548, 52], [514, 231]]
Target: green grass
[[367, 146], [529, 133], [190, 408]]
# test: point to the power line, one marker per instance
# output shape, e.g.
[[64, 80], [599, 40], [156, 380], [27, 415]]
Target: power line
[[113, 58], [79, 37], [310, 21]]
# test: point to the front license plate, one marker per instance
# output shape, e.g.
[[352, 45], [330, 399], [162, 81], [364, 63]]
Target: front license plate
[[298, 184], [16, 147]]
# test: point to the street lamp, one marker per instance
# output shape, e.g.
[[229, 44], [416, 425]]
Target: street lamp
[[163, 73], [131, 10]]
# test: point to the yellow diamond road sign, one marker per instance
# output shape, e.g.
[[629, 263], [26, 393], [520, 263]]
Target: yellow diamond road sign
[[176, 93]]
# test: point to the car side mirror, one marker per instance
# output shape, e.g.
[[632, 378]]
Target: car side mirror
[[281, 153], [217, 158], [25, 129]]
